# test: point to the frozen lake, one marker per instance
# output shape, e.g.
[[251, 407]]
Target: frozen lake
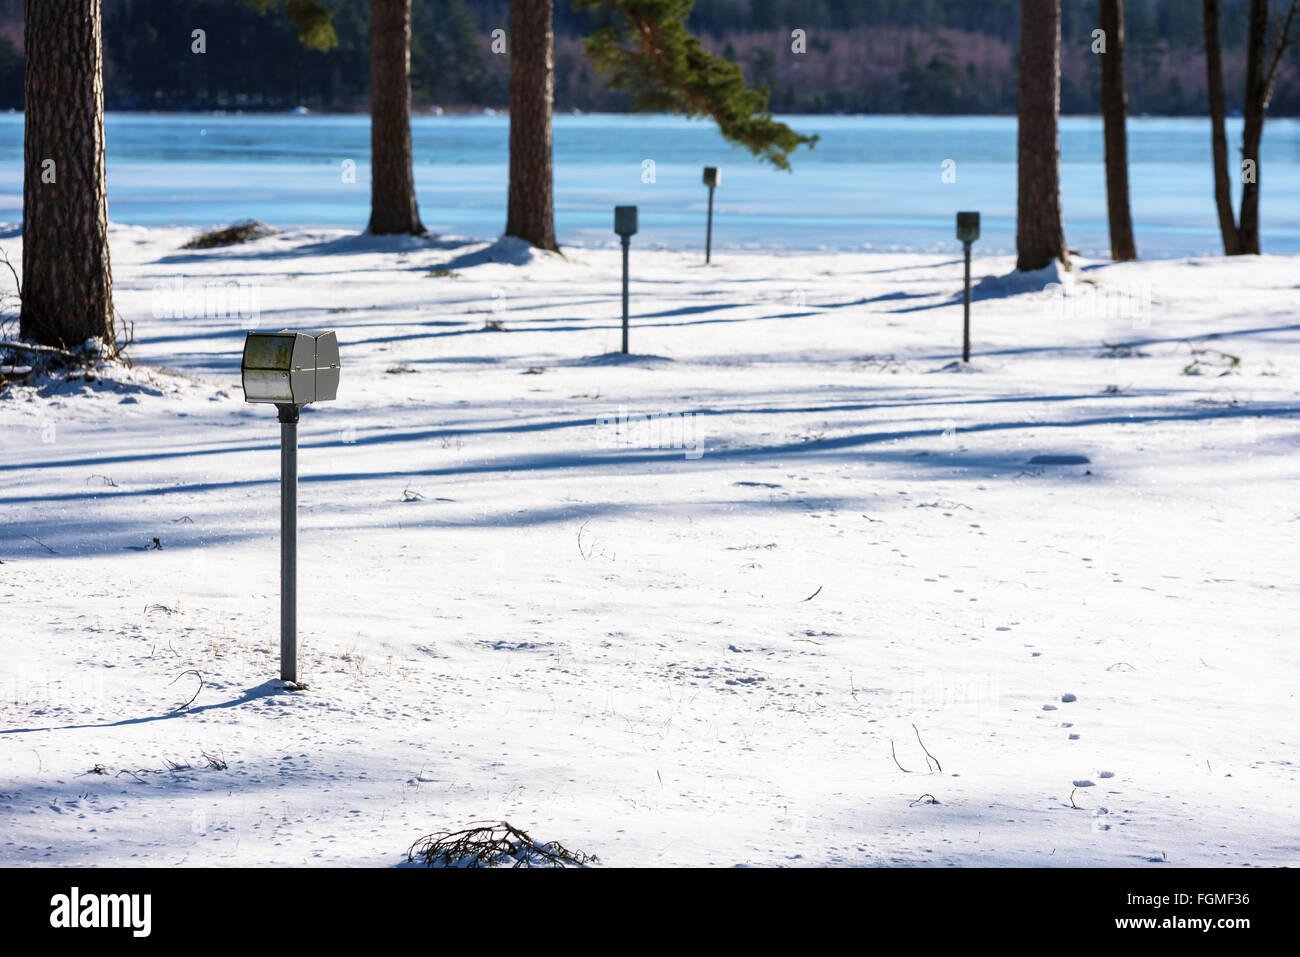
[[873, 182]]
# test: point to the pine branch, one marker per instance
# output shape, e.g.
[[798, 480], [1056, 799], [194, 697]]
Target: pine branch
[[314, 23], [642, 47]]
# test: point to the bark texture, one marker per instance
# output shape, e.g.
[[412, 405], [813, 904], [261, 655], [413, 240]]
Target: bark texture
[[1114, 110], [67, 294], [530, 210], [392, 180], [1252, 132], [1218, 134], [1040, 232]]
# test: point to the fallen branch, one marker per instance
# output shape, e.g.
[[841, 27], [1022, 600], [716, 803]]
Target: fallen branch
[[493, 845], [52, 350]]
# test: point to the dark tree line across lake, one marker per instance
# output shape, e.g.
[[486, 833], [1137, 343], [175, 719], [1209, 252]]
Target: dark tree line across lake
[[872, 56]]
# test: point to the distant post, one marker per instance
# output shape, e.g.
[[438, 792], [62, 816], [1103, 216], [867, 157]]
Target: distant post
[[625, 226], [712, 177], [968, 230]]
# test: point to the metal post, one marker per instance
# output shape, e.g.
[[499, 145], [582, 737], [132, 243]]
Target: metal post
[[965, 348], [627, 242], [288, 543], [708, 235]]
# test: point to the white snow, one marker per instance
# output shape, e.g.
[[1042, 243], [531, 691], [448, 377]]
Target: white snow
[[717, 638]]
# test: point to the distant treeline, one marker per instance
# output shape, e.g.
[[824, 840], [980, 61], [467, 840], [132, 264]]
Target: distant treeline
[[871, 56]]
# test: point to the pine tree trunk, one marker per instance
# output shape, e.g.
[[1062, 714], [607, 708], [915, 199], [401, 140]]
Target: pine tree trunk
[[1114, 110], [530, 211], [67, 283], [1253, 126], [1218, 135], [392, 181], [1040, 232]]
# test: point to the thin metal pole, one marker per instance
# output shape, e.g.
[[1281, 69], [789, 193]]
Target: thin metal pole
[[708, 236], [965, 348], [289, 543], [626, 244]]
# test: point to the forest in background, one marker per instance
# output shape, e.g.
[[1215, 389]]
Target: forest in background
[[866, 56]]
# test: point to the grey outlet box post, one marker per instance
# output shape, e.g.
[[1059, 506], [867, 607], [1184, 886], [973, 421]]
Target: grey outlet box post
[[712, 177], [289, 370], [968, 230], [625, 224]]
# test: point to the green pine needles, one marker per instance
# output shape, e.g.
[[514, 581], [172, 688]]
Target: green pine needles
[[313, 21], [642, 47]]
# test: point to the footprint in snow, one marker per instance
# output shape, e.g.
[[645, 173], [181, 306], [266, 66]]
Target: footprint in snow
[[1067, 698], [1084, 783]]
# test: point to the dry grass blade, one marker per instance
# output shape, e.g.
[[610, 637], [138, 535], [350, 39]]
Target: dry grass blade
[[181, 707], [492, 845], [894, 754], [928, 756]]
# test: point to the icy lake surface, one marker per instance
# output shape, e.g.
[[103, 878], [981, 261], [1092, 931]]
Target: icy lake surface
[[873, 182]]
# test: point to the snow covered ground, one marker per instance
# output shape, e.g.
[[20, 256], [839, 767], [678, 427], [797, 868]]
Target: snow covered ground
[[725, 635]]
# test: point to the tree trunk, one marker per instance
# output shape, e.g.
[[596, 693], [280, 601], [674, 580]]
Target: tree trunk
[[1218, 135], [392, 180], [1252, 132], [1114, 110], [1040, 233], [530, 211], [67, 294]]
